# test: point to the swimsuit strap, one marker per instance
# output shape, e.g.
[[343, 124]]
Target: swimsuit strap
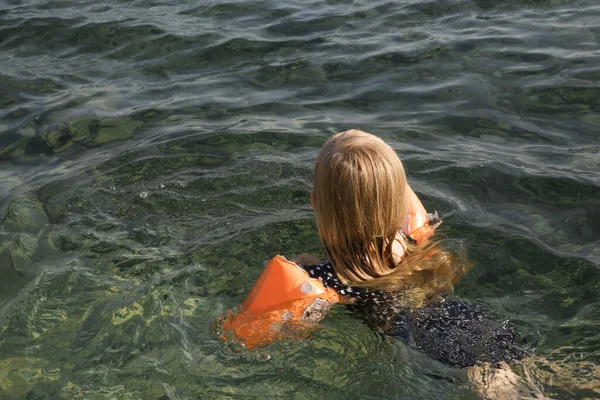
[[324, 272]]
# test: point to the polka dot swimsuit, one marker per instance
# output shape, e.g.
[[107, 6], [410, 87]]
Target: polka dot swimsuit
[[325, 273], [452, 331], [378, 304]]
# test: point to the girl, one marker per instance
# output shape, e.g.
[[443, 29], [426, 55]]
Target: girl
[[361, 199]]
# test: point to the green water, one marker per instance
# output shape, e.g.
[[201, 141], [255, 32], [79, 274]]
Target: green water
[[154, 153]]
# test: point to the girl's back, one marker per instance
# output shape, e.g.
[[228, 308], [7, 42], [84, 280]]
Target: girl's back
[[363, 208]]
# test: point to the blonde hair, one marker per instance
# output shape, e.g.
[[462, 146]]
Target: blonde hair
[[360, 200]]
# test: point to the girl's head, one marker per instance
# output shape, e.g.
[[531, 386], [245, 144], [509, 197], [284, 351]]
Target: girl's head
[[359, 199]]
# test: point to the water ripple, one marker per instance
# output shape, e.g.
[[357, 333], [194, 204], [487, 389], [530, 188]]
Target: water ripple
[[154, 153]]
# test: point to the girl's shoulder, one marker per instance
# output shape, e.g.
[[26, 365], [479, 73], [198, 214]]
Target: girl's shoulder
[[325, 273]]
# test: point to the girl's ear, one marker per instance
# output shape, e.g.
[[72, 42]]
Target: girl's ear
[[312, 199]]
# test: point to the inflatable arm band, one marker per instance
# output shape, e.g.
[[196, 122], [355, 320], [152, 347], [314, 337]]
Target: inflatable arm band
[[283, 294], [286, 296]]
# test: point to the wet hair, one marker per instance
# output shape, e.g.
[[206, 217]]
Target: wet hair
[[360, 199]]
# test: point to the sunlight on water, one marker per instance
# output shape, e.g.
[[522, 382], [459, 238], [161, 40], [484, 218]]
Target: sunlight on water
[[153, 154]]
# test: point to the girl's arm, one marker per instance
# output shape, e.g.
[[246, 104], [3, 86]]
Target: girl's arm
[[417, 215]]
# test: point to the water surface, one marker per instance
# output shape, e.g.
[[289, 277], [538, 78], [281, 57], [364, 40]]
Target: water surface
[[154, 153]]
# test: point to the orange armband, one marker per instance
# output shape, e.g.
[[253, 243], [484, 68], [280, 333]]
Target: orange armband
[[283, 296], [419, 224]]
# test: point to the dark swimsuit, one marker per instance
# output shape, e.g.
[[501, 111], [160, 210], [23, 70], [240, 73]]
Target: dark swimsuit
[[449, 330]]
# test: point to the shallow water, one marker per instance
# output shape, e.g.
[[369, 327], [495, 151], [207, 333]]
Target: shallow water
[[154, 153]]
